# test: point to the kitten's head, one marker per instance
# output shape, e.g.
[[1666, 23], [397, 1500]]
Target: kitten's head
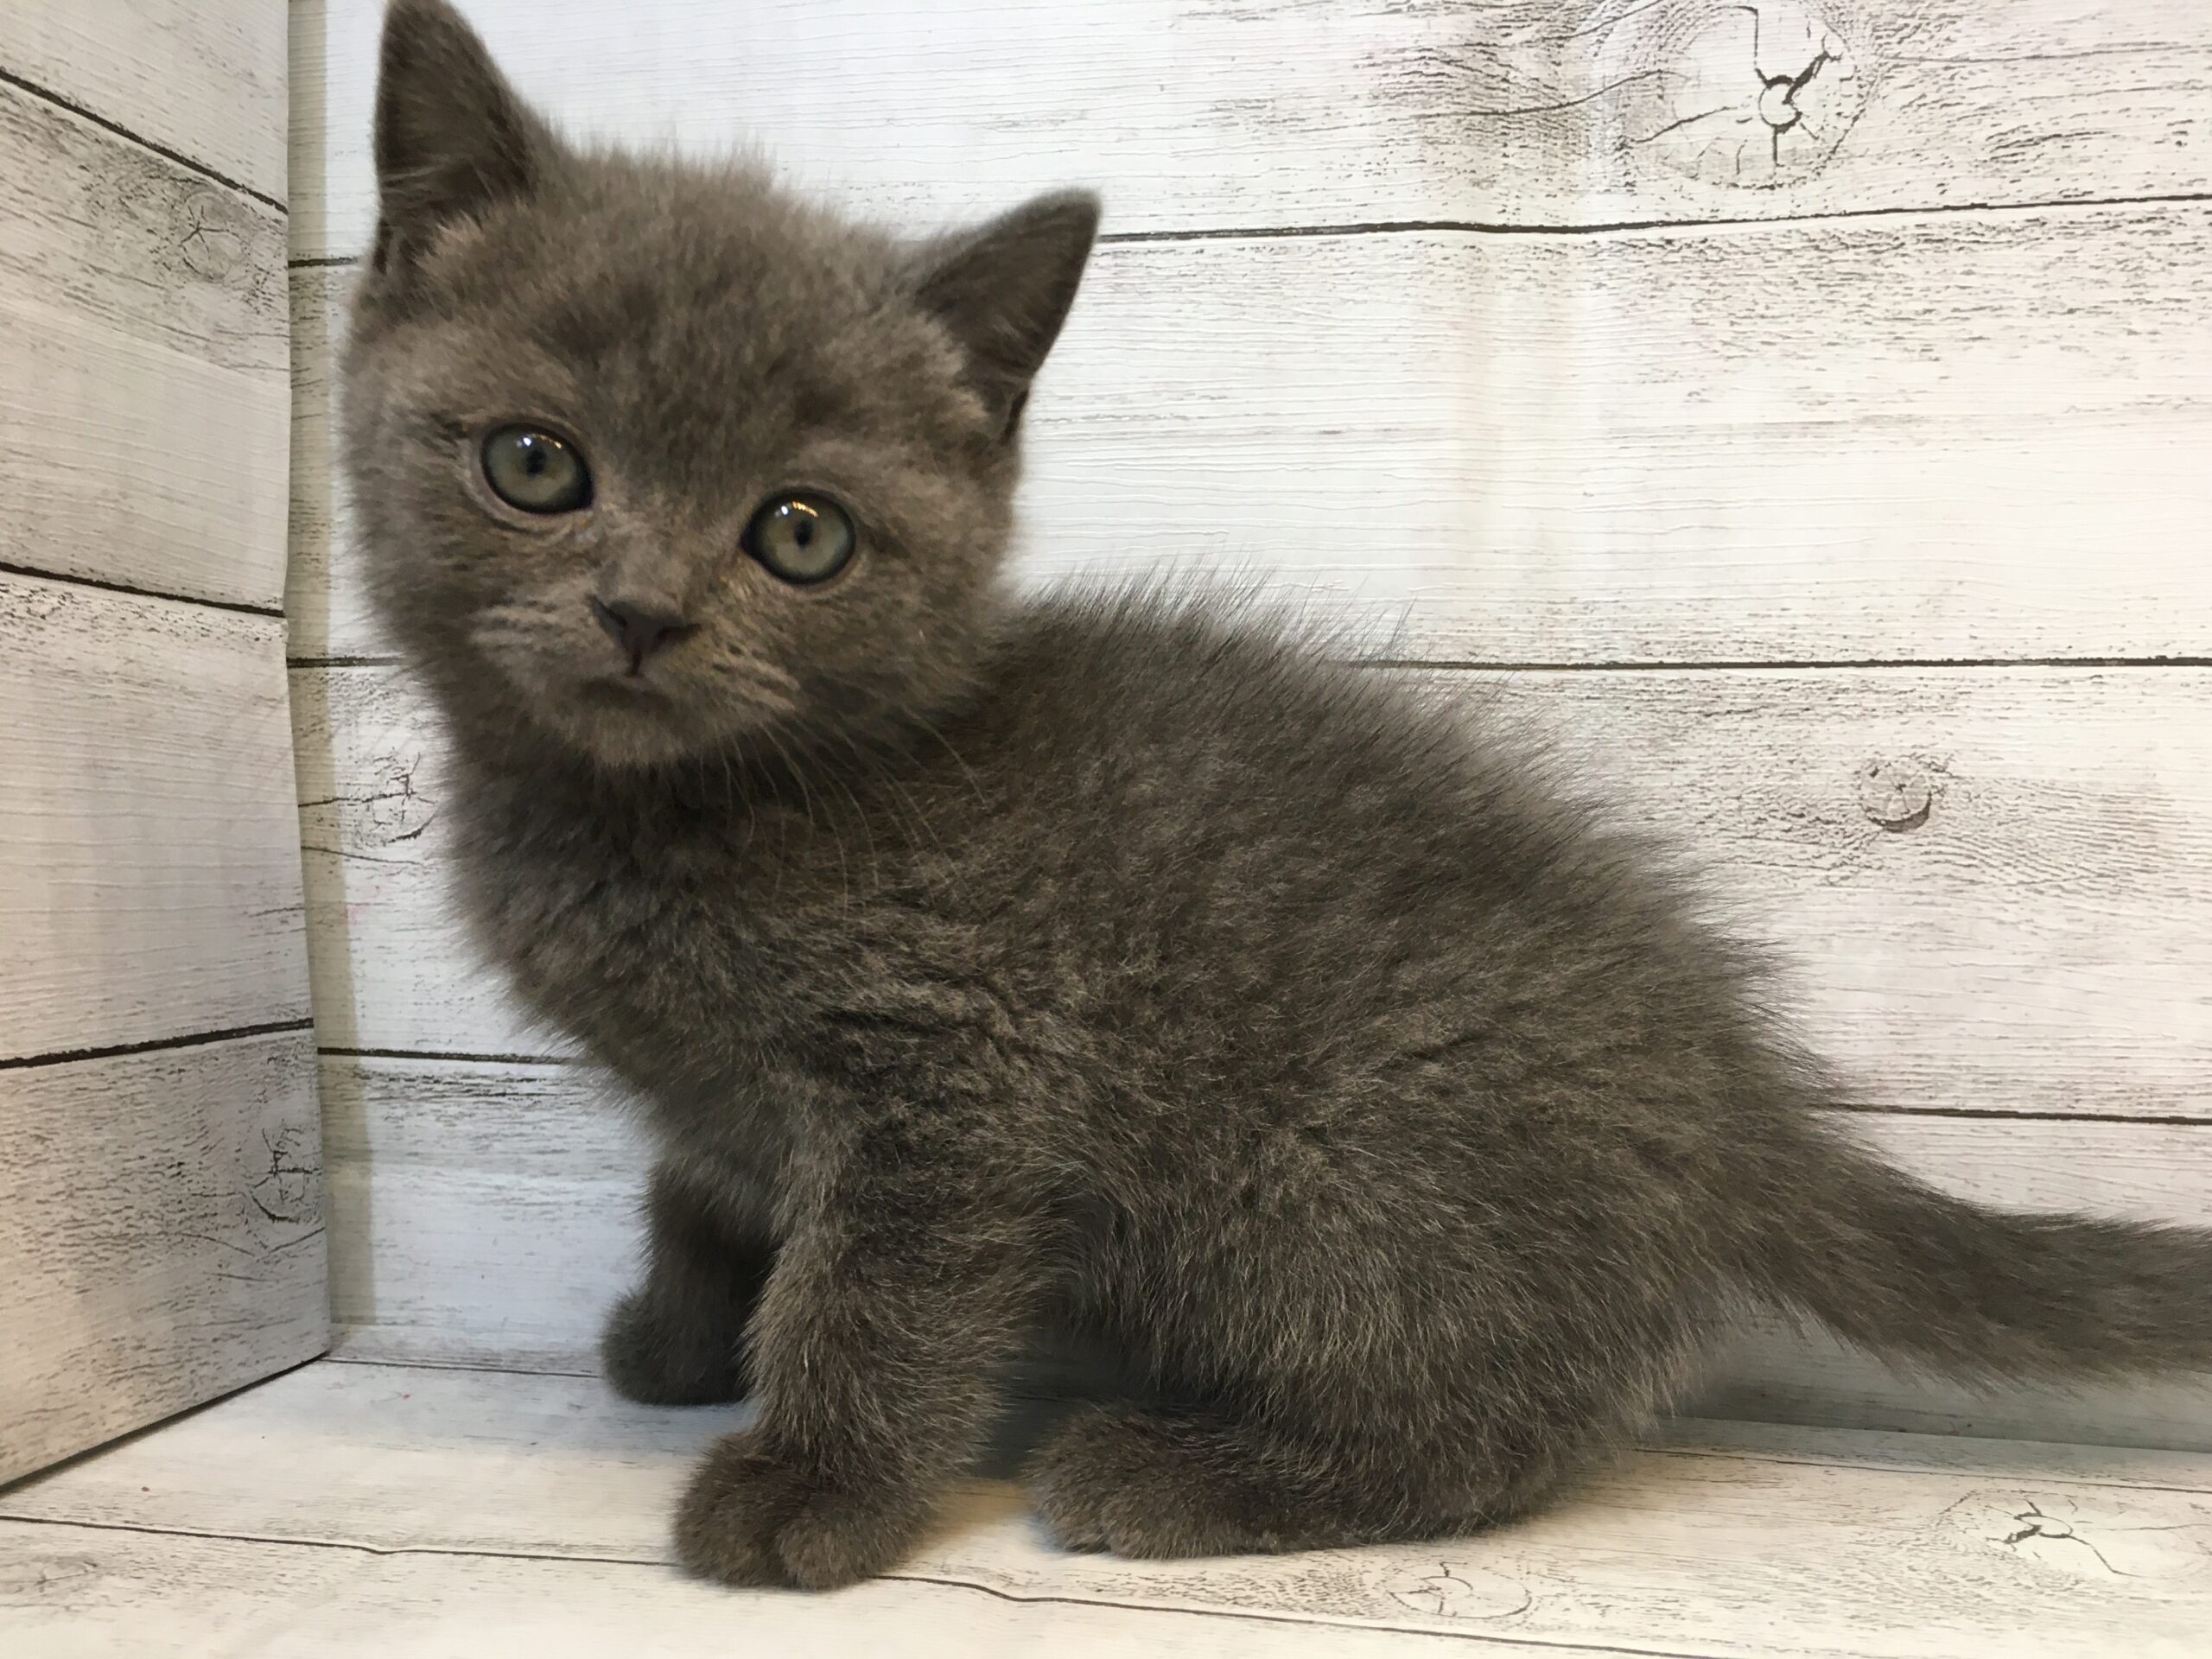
[[656, 460]]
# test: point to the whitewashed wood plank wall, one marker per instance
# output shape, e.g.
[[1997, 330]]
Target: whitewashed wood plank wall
[[1827, 476], [160, 1234]]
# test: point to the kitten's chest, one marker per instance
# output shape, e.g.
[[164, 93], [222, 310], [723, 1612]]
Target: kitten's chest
[[645, 948]]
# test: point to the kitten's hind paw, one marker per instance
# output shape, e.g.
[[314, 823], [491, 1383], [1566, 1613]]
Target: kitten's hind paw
[[756, 1516], [658, 1359], [1145, 1482]]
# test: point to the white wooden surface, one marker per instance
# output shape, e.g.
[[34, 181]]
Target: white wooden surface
[[159, 1170], [207, 81], [163, 1240], [149, 880], [482, 1213], [388, 962], [143, 390], [1207, 114], [1963, 437], [388, 1511], [1478, 317]]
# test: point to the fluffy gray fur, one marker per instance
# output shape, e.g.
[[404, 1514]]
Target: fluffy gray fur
[[1114, 966]]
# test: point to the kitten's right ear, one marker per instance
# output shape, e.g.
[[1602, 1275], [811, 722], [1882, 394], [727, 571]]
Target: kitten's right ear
[[452, 139], [1004, 289]]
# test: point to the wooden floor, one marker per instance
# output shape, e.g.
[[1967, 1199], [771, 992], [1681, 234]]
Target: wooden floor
[[392, 1511]]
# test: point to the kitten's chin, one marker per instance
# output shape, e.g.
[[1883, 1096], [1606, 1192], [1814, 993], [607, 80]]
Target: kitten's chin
[[620, 728]]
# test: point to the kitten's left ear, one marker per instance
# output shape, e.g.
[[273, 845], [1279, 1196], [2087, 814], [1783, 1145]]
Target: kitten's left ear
[[1004, 291], [452, 138]]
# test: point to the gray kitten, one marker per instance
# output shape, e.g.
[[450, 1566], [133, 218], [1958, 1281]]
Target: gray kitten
[[1115, 967]]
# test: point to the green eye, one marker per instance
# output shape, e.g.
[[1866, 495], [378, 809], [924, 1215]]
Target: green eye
[[801, 539], [535, 471]]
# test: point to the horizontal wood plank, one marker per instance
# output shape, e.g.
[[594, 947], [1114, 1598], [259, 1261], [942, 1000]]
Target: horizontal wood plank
[[481, 1213], [389, 965], [144, 405], [1196, 114], [130, 240], [1961, 438], [1987, 888], [1980, 884], [164, 1240], [486, 1214], [80, 1593], [326, 600], [206, 81], [150, 881], [462, 1487]]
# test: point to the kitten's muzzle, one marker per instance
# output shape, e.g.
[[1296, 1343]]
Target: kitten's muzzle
[[639, 628]]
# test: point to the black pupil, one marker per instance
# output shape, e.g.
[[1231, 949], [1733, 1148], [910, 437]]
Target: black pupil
[[803, 529], [536, 457]]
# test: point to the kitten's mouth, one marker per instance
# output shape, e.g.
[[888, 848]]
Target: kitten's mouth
[[624, 702], [623, 721], [623, 690]]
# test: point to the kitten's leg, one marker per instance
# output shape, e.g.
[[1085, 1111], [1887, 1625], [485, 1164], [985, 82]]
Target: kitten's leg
[[1149, 1481], [678, 1339], [893, 1305]]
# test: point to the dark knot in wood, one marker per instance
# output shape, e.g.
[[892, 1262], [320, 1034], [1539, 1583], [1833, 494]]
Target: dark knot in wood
[[211, 233], [1750, 95]]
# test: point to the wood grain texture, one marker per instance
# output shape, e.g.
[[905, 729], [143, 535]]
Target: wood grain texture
[[206, 81], [144, 399], [80, 1593], [150, 878], [485, 1214], [326, 602], [1957, 437], [389, 965], [541, 1503], [480, 1213], [131, 241], [1989, 890], [1199, 114], [163, 1240], [1980, 884]]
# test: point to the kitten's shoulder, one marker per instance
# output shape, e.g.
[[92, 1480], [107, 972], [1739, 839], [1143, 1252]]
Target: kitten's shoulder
[[1121, 650], [1222, 691], [1217, 696]]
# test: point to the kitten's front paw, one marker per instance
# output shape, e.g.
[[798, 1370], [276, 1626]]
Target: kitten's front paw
[[659, 1359], [754, 1516]]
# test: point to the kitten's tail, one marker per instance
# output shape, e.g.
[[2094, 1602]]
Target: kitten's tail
[[1918, 1277]]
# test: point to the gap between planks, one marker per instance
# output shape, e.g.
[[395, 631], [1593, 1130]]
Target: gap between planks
[[242, 607], [1501, 228], [156, 1045], [1366, 1637], [655, 1564], [61, 101]]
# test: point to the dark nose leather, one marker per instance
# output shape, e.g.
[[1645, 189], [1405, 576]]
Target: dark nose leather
[[639, 629]]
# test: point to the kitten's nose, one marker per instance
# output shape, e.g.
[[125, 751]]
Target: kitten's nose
[[641, 629]]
